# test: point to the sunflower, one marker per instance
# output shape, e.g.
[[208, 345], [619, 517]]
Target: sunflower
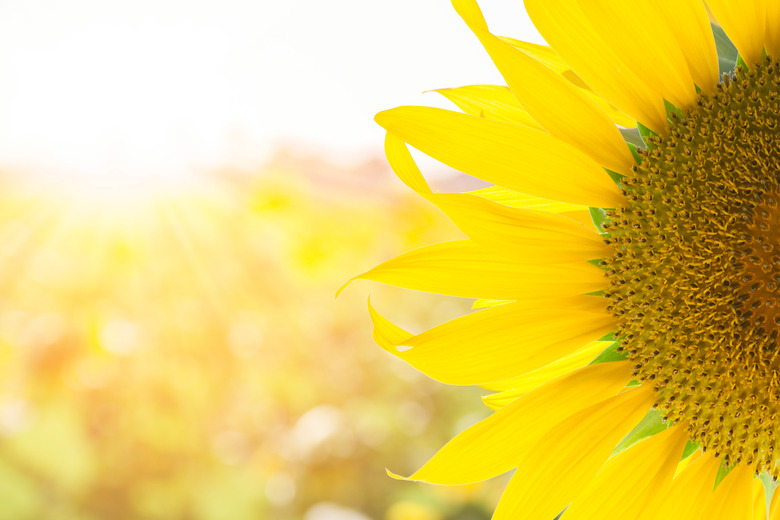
[[626, 264]]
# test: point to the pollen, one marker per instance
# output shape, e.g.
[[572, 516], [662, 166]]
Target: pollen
[[694, 277]]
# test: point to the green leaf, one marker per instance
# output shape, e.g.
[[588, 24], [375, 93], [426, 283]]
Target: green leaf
[[727, 52], [652, 423], [599, 217], [741, 63], [610, 354]]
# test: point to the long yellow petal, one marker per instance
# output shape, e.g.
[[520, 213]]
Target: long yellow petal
[[690, 26], [774, 510], [561, 23], [632, 480], [549, 59], [745, 24], [567, 457], [515, 199], [561, 108], [512, 339], [510, 155], [772, 38], [498, 443], [641, 38], [733, 498], [461, 268], [531, 236], [688, 491], [404, 166], [759, 500], [521, 385], [491, 102]]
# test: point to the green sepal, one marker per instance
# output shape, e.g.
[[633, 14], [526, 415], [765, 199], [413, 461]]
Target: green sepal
[[634, 148], [646, 134], [722, 472], [610, 355], [727, 52], [741, 63], [652, 424], [769, 485], [671, 109], [632, 136], [599, 217], [690, 447]]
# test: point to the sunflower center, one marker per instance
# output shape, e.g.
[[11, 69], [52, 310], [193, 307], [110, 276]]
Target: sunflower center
[[695, 272]]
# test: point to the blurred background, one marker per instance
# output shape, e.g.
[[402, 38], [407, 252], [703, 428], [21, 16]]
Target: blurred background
[[184, 187]]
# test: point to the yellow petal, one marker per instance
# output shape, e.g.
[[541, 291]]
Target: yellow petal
[[632, 480], [759, 500], [403, 165], [772, 38], [688, 492], [521, 385], [774, 510], [513, 339], [498, 443], [491, 102], [639, 35], [567, 457], [512, 156], [561, 108], [733, 498], [529, 236], [745, 25], [549, 59], [691, 29], [463, 269], [484, 303], [514, 199], [561, 23]]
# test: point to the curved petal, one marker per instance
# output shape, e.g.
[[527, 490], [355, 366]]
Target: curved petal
[[634, 478], [491, 102], [772, 38], [745, 24], [759, 500], [515, 199], [639, 35], [561, 108], [510, 155], [690, 26], [535, 237], [516, 387], [688, 491], [498, 443], [561, 23], [554, 472], [461, 268], [733, 498], [499, 343]]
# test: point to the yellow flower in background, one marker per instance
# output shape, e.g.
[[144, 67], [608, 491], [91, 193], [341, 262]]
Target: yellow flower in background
[[636, 363]]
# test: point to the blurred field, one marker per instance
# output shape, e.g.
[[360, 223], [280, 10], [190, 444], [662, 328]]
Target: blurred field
[[181, 355]]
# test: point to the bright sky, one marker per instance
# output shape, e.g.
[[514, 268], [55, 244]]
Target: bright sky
[[140, 88]]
